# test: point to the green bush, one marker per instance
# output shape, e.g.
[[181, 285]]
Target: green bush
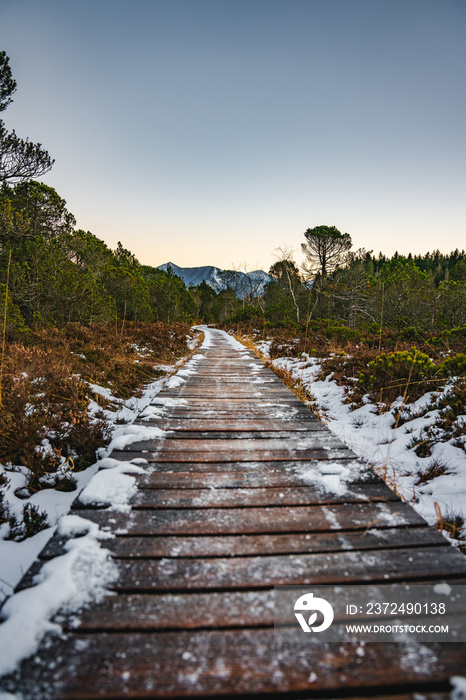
[[34, 520], [391, 372], [453, 366], [343, 334], [401, 365], [458, 333], [410, 333]]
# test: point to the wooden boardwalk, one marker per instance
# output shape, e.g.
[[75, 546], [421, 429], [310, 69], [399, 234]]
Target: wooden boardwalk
[[230, 506]]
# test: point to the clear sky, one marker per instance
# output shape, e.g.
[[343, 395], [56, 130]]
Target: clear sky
[[212, 132]]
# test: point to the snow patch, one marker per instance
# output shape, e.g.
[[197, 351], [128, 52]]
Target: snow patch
[[459, 688], [125, 435], [65, 584], [112, 487]]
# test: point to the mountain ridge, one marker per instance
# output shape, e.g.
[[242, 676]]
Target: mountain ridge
[[243, 283]]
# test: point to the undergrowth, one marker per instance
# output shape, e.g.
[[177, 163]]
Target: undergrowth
[[47, 385]]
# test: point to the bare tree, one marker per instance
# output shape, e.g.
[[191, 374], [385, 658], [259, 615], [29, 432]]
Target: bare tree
[[287, 274]]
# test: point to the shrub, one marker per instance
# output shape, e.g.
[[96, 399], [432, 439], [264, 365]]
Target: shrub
[[453, 366], [410, 333], [34, 520], [458, 333], [390, 374], [343, 334], [398, 367]]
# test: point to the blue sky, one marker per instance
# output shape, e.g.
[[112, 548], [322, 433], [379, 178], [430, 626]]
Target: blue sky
[[216, 131]]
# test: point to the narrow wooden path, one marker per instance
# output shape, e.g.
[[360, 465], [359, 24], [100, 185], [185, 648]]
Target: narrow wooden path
[[230, 505]]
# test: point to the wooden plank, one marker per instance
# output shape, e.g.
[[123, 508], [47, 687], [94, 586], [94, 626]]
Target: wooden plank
[[234, 379], [181, 611], [213, 425], [243, 545], [232, 474], [222, 395], [291, 443], [229, 416], [236, 409], [219, 609], [250, 475], [232, 393], [272, 411], [229, 413], [219, 401], [355, 516], [143, 449], [250, 661], [280, 570], [245, 434], [234, 498]]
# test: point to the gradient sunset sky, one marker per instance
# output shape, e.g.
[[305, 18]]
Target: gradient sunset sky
[[212, 132]]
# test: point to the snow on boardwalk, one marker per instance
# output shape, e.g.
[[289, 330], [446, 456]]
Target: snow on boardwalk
[[236, 488]]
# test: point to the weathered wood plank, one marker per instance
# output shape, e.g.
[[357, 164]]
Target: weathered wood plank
[[214, 609], [250, 661], [219, 400], [145, 450], [279, 570], [229, 414], [181, 611], [243, 545], [260, 435], [291, 443], [213, 426], [233, 475], [234, 498], [355, 516], [286, 398], [170, 474]]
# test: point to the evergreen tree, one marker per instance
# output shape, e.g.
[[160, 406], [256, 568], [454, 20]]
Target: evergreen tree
[[41, 207], [406, 293], [324, 249], [7, 82], [204, 297], [126, 284], [225, 305], [450, 305], [19, 158], [169, 299]]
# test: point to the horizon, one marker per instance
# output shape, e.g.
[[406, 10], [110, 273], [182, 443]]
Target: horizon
[[389, 257]]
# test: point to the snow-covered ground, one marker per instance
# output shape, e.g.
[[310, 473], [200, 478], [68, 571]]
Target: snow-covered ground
[[375, 440], [80, 576]]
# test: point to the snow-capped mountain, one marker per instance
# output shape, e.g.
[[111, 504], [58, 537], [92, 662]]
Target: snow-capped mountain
[[243, 283]]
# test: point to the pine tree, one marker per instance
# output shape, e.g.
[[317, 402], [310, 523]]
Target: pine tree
[[19, 158]]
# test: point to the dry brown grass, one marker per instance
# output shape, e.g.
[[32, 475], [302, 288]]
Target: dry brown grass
[[46, 390]]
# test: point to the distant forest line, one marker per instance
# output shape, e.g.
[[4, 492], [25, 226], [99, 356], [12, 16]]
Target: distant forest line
[[52, 274]]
